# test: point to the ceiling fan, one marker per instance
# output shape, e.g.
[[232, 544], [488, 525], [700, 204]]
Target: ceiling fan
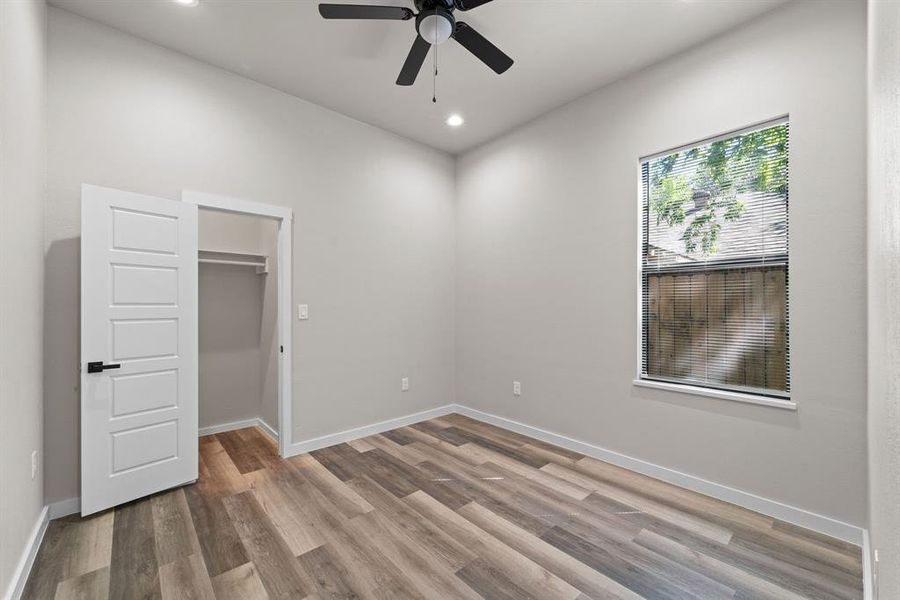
[[435, 24]]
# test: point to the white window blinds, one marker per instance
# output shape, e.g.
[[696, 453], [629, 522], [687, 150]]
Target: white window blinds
[[714, 266]]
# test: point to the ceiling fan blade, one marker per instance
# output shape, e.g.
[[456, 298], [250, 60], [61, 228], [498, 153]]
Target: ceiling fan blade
[[360, 11], [414, 61], [478, 45], [469, 4]]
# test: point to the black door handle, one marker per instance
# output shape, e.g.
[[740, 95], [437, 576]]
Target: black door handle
[[99, 367]]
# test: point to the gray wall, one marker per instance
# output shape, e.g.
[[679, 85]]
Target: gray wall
[[884, 292], [228, 232], [238, 325], [373, 232], [547, 234], [22, 193], [229, 343]]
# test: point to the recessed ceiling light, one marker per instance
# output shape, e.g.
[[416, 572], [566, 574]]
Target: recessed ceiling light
[[455, 120], [187, 2]]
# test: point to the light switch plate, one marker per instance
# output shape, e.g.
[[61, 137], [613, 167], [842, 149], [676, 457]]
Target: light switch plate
[[517, 388], [303, 311], [404, 384]]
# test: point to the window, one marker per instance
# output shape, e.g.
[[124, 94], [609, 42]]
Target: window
[[714, 268]]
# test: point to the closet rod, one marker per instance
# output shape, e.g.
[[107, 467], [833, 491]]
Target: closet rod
[[244, 263], [260, 261]]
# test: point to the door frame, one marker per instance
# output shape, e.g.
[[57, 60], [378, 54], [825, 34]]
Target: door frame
[[285, 219]]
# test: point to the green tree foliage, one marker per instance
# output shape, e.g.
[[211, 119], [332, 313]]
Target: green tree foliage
[[718, 173]]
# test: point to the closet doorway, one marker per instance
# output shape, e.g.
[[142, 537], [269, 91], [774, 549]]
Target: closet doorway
[[244, 310], [140, 260]]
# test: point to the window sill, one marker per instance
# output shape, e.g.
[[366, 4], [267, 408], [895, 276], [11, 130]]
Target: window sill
[[720, 394]]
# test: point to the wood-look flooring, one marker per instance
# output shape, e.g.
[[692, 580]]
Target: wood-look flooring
[[448, 508]]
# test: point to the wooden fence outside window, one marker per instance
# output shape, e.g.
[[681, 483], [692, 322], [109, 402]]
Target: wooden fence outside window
[[725, 327]]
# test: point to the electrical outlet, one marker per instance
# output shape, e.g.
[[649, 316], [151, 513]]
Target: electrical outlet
[[404, 384], [33, 464], [303, 312], [517, 388]]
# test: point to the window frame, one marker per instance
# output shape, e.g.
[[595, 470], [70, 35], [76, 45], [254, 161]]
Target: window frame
[[735, 393]]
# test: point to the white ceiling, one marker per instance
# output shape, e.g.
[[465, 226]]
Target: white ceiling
[[562, 48]]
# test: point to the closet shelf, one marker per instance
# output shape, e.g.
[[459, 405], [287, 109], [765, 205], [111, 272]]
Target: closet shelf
[[216, 257]]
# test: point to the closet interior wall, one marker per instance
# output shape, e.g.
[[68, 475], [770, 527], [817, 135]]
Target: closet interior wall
[[238, 338]]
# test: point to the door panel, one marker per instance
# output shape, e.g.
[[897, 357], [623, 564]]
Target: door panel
[[144, 446], [136, 285], [144, 339], [144, 232], [138, 311], [144, 391]]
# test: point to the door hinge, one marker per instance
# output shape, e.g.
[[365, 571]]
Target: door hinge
[[282, 349]]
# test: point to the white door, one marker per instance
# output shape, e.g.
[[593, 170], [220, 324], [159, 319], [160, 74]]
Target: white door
[[138, 346]]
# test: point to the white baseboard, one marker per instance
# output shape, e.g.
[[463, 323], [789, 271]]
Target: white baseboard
[[26, 561], [783, 512], [366, 430], [868, 575], [267, 429], [223, 427], [64, 508]]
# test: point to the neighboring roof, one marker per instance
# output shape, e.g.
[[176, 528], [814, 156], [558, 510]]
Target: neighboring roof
[[760, 231]]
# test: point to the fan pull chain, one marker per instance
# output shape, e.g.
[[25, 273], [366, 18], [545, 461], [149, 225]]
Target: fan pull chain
[[434, 77]]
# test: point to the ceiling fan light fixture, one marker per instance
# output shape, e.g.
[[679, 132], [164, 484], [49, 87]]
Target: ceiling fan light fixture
[[455, 120], [435, 24], [435, 28]]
